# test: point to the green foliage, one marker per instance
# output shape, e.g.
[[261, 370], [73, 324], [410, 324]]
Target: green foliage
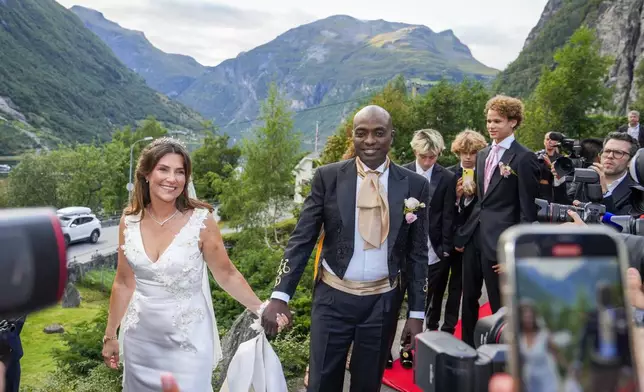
[[446, 107], [83, 346], [213, 163], [521, 77], [264, 190], [566, 94], [87, 175], [67, 82], [293, 351]]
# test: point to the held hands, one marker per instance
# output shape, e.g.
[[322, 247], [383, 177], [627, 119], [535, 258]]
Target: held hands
[[275, 317]]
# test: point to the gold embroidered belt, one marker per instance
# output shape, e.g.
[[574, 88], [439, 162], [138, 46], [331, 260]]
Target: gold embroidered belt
[[372, 287]]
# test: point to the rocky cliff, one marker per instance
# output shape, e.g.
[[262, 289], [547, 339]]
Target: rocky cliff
[[618, 24]]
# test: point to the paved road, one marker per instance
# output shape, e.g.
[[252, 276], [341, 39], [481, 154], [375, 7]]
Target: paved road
[[108, 242]]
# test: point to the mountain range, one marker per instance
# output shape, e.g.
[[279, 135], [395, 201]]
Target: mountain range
[[60, 84], [324, 68], [533, 284]]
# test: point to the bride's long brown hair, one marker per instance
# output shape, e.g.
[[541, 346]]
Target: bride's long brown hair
[[150, 156]]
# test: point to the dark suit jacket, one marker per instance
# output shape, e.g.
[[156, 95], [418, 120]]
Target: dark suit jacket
[[589, 344], [619, 202], [508, 201], [332, 203], [624, 128], [463, 212], [442, 209]]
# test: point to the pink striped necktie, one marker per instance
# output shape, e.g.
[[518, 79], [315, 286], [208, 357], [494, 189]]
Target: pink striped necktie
[[489, 166]]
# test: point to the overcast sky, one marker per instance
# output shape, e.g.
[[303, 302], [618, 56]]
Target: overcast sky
[[214, 30]]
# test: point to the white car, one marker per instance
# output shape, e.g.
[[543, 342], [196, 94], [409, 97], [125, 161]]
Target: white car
[[79, 224]]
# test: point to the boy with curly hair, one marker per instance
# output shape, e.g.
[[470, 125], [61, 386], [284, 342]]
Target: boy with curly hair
[[507, 184]]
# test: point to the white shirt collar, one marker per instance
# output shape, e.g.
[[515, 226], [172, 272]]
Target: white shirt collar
[[379, 169], [505, 143], [427, 173], [461, 165]]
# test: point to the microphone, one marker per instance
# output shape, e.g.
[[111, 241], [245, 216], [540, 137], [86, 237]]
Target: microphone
[[620, 223]]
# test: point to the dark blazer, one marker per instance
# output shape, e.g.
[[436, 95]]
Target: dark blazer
[[463, 212], [508, 201], [589, 342], [442, 208], [640, 139], [332, 204], [619, 202]]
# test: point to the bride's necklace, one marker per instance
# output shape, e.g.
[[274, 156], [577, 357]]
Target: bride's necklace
[[165, 221]]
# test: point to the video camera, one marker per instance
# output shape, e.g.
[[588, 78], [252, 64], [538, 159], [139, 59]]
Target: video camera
[[33, 262], [590, 212], [565, 165], [445, 363]]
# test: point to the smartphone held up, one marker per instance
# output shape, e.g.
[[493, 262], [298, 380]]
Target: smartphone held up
[[569, 318]]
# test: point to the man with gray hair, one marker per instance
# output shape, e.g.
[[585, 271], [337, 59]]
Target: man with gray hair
[[427, 145], [633, 127]]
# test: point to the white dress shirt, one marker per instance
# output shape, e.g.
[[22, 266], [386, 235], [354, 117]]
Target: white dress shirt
[[432, 257], [634, 131], [503, 147]]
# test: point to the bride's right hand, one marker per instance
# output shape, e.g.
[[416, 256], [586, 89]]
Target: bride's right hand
[[111, 354]]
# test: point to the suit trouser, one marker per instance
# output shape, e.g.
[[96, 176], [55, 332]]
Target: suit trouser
[[438, 278], [476, 269], [12, 377], [337, 319]]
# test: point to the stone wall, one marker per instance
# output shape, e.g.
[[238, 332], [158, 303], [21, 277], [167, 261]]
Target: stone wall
[[75, 271]]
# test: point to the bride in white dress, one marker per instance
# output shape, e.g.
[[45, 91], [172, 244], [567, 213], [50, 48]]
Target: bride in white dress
[[161, 297]]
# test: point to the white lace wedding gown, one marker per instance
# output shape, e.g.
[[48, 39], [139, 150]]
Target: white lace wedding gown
[[170, 324]]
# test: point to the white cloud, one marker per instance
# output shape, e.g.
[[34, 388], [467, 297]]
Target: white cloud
[[214, 30]]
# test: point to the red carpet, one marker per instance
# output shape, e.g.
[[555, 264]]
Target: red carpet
[[401, 379]]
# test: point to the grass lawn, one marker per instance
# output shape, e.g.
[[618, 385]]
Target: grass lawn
[[37, 362]]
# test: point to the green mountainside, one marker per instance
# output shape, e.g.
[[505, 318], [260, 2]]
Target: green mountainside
[[324, 67], [559, 21], [61, 83]]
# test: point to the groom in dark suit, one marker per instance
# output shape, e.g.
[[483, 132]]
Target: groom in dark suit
[[371, 238], [507, 184]]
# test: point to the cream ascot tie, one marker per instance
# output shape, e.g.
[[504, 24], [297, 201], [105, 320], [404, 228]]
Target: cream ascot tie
[[373, 207]]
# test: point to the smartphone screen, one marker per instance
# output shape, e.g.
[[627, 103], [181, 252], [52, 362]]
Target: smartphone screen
[[570, 314]]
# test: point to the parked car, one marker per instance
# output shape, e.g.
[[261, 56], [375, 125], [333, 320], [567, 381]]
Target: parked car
[[79, 224], [5, 168]]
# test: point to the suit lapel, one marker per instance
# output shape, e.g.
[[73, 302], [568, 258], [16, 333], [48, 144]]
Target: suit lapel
[[346, 196], [506, 158], [397, 189], [621, 191]]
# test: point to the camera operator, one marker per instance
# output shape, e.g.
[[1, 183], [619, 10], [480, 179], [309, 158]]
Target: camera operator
[[615, 157], [546, 157], [612, 169]]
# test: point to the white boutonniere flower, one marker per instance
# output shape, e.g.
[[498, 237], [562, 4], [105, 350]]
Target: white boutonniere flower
[[506, 170], [411, 206]]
